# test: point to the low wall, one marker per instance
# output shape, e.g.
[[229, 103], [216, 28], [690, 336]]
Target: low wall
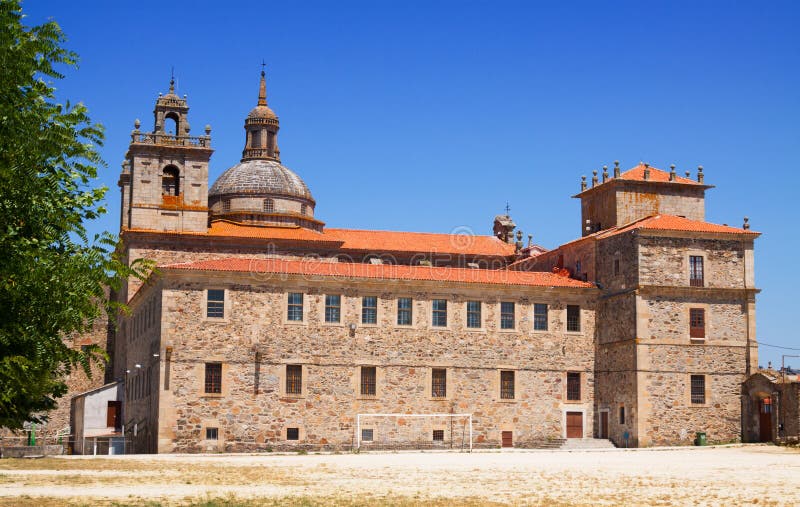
[[25, 451]]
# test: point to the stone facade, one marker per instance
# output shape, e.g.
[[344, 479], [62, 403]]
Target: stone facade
[[771, 407]]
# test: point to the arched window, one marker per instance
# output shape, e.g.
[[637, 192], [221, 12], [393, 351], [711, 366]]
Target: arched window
[[170, 181], [171, 122], [269, 205]]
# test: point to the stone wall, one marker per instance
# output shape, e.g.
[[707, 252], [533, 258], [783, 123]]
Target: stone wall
[[639, 201], [254, 343], [665, 260]]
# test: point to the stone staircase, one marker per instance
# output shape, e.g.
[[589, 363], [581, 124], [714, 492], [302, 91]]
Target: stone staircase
[[579, 444]]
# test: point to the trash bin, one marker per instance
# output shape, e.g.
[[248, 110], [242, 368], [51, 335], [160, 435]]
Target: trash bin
[[700, 438]]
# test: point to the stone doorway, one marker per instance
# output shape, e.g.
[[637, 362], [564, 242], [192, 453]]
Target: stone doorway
[[765, 420], [602, 431]]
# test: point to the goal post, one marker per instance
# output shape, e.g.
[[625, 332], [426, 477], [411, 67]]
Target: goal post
[[414, 430]]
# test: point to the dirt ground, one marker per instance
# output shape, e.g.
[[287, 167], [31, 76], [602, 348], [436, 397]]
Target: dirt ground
[[735, 475]]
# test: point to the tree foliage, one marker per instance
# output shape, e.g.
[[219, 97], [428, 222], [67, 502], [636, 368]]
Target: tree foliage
[[52, 275]]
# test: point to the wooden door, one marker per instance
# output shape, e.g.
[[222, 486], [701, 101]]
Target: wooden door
[[113, 419], [574, 425], [508, 440], [765, 420], [603, 425]]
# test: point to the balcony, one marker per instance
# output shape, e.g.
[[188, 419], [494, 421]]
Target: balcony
[[159, 139]]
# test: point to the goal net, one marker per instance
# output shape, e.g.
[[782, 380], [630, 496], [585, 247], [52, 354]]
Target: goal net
[[414, 431]]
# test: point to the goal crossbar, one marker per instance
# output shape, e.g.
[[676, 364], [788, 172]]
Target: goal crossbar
[[445, 414]]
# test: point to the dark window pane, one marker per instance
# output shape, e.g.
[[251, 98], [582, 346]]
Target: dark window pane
[[215, 303], [573, 318], [439, 314], [368, 380], [696, 278], [507, 385], [213, 380], [404, 311], [366, 435], [292, 433], [212, 433], [474, 314], [573, 386], [333, 308], [369, 310], [540, 317], [698, 389], [622, 415], [438, 435], [507, 311], [294, 379], [295, 308], [439, 383]]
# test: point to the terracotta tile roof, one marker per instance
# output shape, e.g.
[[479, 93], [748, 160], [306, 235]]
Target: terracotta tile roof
[[391, 241], [320, 268], [361, 240], [637, 174], [675, 223]]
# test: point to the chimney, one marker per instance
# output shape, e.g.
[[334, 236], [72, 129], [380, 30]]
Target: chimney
[[672, 172], [616, 168], [699, 174], [647, 172]]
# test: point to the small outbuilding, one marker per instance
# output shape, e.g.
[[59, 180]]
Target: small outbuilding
[[96, 421], [771, 407]]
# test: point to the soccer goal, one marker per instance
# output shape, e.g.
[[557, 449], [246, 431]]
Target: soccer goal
[[414, 431]]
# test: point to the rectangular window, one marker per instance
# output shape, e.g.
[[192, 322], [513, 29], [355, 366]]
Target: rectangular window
[[367, 435], [333, 308], [506, 385], [573, 386], [507, 311], [439, 383], [438, 435], [474, 314], [212, 433], [295, 307], [369, 310], [294, 379], [698, 389], [616, 267], [540, 317], [696, 271], [213, 383], [697, 323], [292, 433], [368, 380], [404, 311], [215, 304], [622, 415], [573, 318], [439, 313]]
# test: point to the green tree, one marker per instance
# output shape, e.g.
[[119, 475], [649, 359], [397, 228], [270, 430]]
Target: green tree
[[52, 275]]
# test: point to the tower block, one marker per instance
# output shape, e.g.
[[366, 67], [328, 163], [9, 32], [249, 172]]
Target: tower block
[[164, 180]]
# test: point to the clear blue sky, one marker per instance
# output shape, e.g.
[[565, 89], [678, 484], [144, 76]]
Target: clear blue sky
[[427, 116]]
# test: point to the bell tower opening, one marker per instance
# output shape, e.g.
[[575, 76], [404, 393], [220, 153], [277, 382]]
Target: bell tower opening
[[170, 181]]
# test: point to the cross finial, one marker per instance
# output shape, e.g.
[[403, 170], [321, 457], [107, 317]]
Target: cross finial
[[508, 209], [262, 87], [172, 79], [263, 66]]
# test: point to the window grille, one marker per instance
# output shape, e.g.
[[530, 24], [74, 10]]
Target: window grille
[[213, 381], [292, 433], [369, 310], [507, 385], [294, 379], [698, 389], [295, 307], [368, 380], [438, 435], [439, 313], [212, 433], [473, 314], [439, 383], [540, 317], [573, 386], [367, 435], [404, 311], [269, 205], [573, 318], [226, 205], [507, 311], [215, 304], [697, 323], [696, 278]]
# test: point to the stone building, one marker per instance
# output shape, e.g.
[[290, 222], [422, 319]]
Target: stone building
[[262, 328], [771, 407]]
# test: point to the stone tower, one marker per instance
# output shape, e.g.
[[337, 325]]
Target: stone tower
[[164, 180]]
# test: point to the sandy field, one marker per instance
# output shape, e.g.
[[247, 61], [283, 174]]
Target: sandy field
[[729, 475]]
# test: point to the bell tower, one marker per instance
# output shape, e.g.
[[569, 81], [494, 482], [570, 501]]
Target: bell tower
[[164, 180]]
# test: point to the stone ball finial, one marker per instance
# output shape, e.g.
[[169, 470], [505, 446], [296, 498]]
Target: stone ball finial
[[519, 235], [672, 166], [700, 174], [746, 224], [137, 123], [688, 173], [208, 129], [184, 96]]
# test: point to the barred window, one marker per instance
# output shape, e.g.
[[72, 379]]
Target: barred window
[[226, 205], [697, 323], [333, 308], [404, 311], [439, 313], [540, 317], [368, 380], [215, 303], [212, 433], [474, 314], [294, 379], [507, 385], [698, 389], [369, 310], [696, 271], [438, 435], [367, 435], [292, 433], [303, 209], [439, 383], [573, 318], [269, 205], [507, 311], [295, 308], [573, 386], [213, 381]]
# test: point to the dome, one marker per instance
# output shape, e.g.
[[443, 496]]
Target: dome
[[262, 112], [261, 177]]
